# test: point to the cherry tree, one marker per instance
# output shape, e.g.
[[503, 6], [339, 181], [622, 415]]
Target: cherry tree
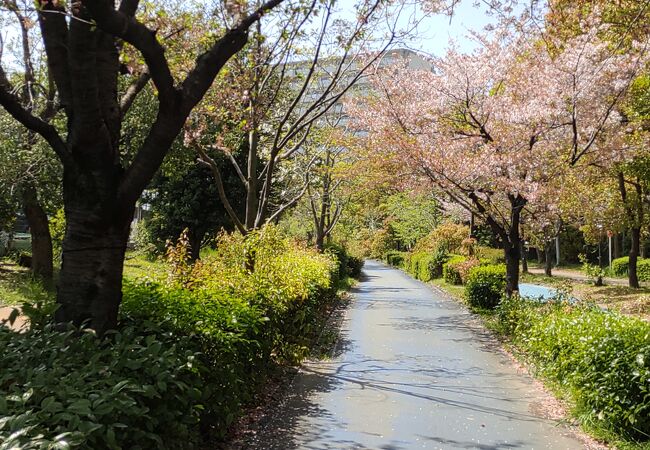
[[492, 128]]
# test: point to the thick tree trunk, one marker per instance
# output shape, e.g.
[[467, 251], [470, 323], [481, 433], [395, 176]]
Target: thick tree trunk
[[548, 260], [42, 258], [90, 283], [633, 278]]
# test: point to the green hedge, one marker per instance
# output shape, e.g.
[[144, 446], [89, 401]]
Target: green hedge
[[451, 269], [601, 359], [348, 266], [219, 326], [620, 266], [485, 285], [490, 255], [395, 258]]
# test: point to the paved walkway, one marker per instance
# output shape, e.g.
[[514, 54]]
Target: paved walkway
[[411, 371]]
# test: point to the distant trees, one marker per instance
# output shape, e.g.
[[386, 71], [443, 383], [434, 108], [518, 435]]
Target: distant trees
[[492, 129]]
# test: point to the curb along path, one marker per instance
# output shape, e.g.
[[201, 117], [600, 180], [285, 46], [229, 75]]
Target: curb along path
[[410, 371]]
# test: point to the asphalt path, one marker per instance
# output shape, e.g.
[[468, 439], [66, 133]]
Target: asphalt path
[[412, 370]]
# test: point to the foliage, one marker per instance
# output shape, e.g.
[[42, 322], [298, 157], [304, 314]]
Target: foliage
[[395, 258], [412, 217], [600, 358], [183, 197], [355, 265], [485, 285], [451, 269], [142, 239], [620, 267], [490, 255], [448, 236], [381, 241], [57, 231], [241, 319], [348, 265], [140, 389], [593, 271], [428, 266]]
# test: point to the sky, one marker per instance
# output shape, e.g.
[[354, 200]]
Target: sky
[[435, 32]]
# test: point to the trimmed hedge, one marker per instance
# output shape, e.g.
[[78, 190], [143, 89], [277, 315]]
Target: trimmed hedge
[[395, 258], [485, 286], [490, 255], [349, 266], [601, 359], [620, 266], [451, 269]]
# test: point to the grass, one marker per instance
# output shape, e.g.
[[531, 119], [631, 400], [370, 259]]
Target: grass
[[624, 299], [17, 285], [138, 266], [456, 291]]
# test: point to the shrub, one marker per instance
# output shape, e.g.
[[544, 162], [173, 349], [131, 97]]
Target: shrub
[[412, 263], [466, 266], [594, 272], [621, 265], [430, 265], [341, 256], [600, 358], [395, 258], [450, 270], [485, 285], [448, 236], [242, 318], [141, 389], [355, 265], [490, 255]]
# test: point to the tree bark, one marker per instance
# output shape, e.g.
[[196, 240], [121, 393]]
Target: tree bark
[[42, 258], [548, 260], [513, 255], [632, 275], [90, 284], [540, 255], [195, 239]]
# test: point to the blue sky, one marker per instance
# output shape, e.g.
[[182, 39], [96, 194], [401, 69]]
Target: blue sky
[[435, 32]]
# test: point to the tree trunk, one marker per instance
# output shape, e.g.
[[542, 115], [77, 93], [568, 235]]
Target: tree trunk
[[472, 225], [548, 260], [90, 283], [42, 258], [633, 278], [524, 260], [513, 255], [320, 241], [195, 240], [540, 255], [616, 251]]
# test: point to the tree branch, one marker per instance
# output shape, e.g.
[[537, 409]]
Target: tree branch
[[133, 90], [12, 105]]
